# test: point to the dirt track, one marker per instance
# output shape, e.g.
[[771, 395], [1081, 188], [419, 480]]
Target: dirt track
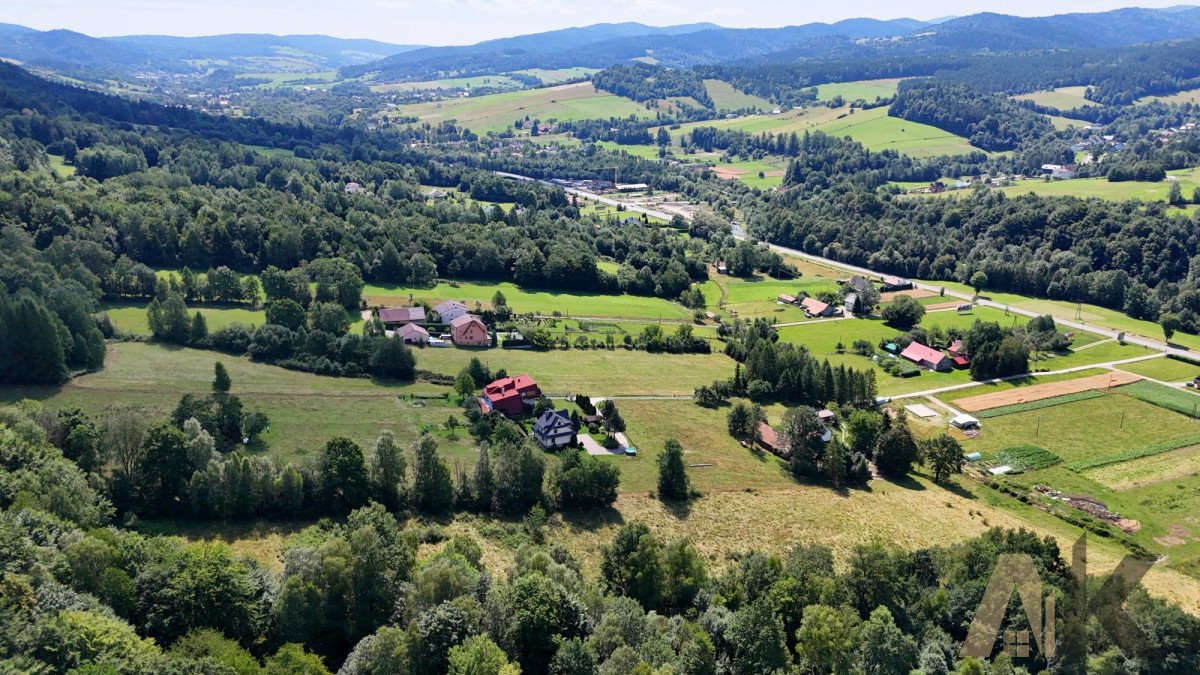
[[1038, 392]]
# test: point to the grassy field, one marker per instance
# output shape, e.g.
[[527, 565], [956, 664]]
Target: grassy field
[[1188, 96], [525, 301], [873, 128], [1063, 98], [599, 372], [751, 298], [822, 338], [556, 75], [59, 164], [281, 79], [758, 173], [1188, 179], [305, 410], [878, 131], [1138, 473], [1167, 370], [1063, 123], [643, 151], [131, 316], [867, 90], [450, 83], [726, 97], [1157, 491], [497, 112], [701, 432], [1088, 314]]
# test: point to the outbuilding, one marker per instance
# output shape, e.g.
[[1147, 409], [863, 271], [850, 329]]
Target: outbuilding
[[965, 422]]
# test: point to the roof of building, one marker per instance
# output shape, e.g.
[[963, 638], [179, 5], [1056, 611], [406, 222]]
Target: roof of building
[[465, 319], [859, 283], [771, 438], [401, 314], [922, 353], [826, 414], [448, 304], [961, 361], [553, 423], [893, 280], [410, 330], [962, 419], [784, 297], [814, 306], [510, 384], [956, 346]]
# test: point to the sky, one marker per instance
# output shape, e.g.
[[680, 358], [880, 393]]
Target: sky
[[443, 22]]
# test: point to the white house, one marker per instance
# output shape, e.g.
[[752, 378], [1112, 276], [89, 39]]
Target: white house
[[450, 310], [1059, 171]]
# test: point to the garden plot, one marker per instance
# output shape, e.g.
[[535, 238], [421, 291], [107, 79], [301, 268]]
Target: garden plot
[[1044, 391]]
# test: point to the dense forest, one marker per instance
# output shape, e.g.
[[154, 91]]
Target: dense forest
[[174, 198], [643, 82], [375, 593], [988, 121]]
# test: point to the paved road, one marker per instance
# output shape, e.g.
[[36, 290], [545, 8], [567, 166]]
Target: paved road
[[739, 233], [1061, 321]]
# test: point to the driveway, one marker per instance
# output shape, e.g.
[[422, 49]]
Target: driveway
[[593, 448]]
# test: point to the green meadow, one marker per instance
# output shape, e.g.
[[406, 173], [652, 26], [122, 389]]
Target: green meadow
[[866, 90], [496, 112], [530, 301], [727, 97]]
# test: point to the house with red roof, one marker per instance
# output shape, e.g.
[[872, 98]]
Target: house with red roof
[[509, 395], [395, 316], [468, 331], [773, 442], [815, 308], [926, 357]]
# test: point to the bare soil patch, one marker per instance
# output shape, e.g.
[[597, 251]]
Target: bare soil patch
[[941, 306], [728, 171], [1042, 391], [1176, 535], [915, 293]]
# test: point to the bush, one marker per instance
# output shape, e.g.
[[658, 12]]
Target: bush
[[231, 339], [760, 390]]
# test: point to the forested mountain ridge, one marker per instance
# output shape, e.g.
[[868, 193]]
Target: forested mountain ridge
[[861, 38], [71, 52]]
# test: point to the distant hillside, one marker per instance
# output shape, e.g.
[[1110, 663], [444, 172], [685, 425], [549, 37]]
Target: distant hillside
[[684, 46], [335, 52], [89, 57], [603, 45]]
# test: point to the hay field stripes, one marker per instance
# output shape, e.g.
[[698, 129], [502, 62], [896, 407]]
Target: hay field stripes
[[1045, 391]]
